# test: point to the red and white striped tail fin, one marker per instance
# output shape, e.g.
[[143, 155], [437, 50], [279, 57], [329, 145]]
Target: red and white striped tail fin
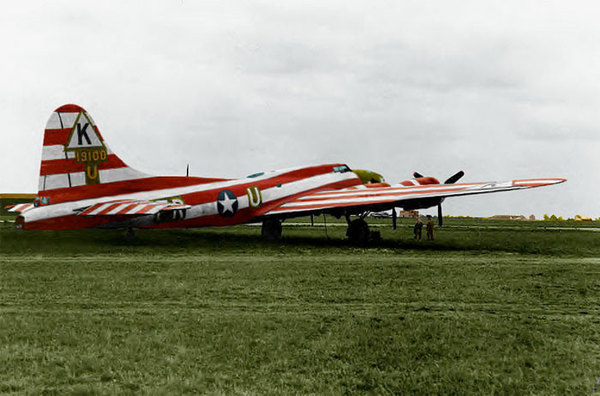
[[75, 154]]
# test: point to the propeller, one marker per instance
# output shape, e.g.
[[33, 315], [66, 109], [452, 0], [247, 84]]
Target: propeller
[[455, 177], [451, 180]]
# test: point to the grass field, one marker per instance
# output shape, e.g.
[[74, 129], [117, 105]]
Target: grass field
[[489, 307]]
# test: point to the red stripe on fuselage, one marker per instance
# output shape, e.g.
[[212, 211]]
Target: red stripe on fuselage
[[157, 183], [247, 214], [124, 187], [196, 198], [164, 182]]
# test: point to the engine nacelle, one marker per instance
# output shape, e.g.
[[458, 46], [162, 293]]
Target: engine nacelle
[[422, 203], [368, 177], [420, 181]]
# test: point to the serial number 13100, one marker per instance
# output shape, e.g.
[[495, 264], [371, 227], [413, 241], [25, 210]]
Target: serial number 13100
[[90, 155]]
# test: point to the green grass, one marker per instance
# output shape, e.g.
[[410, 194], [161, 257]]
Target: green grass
[[480, 310]]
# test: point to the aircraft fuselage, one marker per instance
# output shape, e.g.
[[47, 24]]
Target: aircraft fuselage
[[214, 202]]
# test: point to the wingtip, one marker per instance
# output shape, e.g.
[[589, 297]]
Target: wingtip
[[557, 180], [538, 182]]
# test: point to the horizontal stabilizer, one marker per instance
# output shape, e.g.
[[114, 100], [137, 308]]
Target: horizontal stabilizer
[[19, 208], [129, 207]]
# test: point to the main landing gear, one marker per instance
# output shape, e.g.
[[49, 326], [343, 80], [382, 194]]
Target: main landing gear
[[358, 231], [271, 229], [129, 235]]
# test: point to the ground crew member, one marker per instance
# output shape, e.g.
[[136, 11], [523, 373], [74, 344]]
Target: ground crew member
[[418, 229], [429, 228]]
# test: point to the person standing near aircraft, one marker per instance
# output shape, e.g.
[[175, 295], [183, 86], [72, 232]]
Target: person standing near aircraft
[[418, 229], [429, 228]]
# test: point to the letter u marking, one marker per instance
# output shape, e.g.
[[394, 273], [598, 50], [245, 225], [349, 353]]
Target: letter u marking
[[92, 172], [254, 197]]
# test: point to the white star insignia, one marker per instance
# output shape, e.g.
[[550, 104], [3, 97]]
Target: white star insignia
[[227, 204]]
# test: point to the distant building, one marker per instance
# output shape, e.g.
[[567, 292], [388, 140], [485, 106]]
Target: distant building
[[18, 196], [406, 214], [409, 214], [582, 218]]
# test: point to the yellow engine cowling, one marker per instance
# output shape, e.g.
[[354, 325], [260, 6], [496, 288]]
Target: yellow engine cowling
[[368, 177]]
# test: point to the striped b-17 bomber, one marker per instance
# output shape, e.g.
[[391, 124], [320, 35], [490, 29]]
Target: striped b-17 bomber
[[84, 184]]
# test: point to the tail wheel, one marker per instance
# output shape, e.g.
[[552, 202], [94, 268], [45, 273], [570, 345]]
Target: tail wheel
[[358, 232], [19, 222], [130, 235], [271, 229]]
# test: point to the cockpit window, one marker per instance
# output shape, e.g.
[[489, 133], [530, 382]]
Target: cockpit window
[[256, 174], [341, 169]]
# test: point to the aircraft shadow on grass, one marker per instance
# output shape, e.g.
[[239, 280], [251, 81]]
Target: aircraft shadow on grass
[[198, 239]]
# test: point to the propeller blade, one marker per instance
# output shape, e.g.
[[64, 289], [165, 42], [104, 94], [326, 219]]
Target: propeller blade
[[417, 174], [455, 177], [440, 215], [394, 218]]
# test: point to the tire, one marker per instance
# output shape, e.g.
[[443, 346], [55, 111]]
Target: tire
[[358, 232], [271, 229]]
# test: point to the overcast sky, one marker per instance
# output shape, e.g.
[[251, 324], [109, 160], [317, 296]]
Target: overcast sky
[[501, 89]]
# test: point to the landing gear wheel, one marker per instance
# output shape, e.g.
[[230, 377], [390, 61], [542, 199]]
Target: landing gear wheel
[[129, 235], [271, 229], [358, 232]]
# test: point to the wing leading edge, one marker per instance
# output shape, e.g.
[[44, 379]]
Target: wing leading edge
[[364, 198]]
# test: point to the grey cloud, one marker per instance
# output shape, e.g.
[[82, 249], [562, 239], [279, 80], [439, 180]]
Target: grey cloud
[[437, 69], [273, 58]]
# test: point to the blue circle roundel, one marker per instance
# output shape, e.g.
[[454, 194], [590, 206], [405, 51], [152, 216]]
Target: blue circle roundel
[[227, 203]]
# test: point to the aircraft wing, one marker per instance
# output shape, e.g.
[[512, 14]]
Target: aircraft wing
[[364, 198], [129, 207]]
